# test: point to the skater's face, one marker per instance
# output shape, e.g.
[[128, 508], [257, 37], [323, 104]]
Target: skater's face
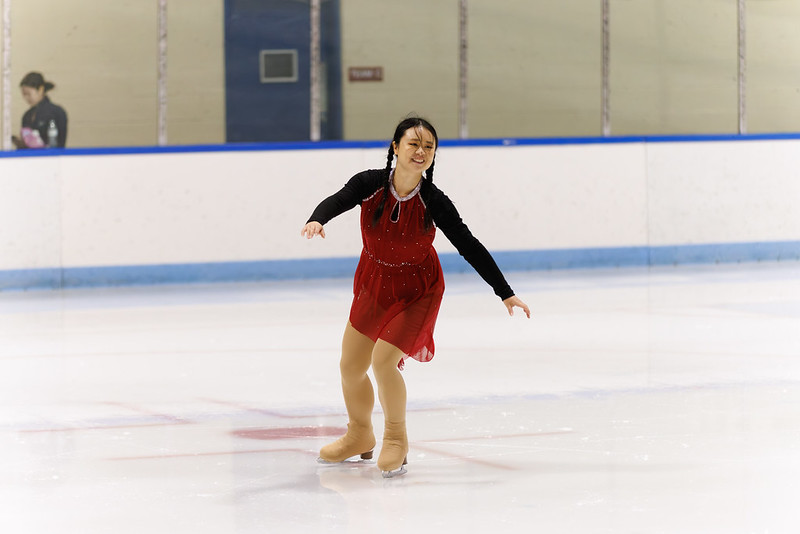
[[416, 150], [32, 95]]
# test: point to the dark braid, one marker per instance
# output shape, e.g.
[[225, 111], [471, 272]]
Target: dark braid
[[378, 212], [429, 172], [426, 183]]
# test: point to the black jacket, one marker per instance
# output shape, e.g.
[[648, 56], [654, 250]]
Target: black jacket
[[39, 117]]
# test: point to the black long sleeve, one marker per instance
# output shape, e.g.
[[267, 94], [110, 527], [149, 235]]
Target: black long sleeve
[[359, 187], [444, 215], [448, 220]]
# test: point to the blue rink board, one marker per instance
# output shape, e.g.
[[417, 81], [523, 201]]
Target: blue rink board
[[75, 277], [636, 256]]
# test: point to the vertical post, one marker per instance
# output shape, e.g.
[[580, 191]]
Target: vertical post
[[316, 115], [605, 91], [6, 75], [463, 132], [742, 68], [162, 72]]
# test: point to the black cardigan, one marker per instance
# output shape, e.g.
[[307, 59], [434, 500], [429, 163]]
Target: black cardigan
[[444, 214]]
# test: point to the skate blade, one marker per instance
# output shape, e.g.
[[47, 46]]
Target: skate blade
[[396, 473]]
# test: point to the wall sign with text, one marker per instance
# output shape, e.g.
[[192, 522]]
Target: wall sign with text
[[365, 74]]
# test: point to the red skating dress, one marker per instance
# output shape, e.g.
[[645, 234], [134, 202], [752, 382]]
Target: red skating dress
[[398, 283]]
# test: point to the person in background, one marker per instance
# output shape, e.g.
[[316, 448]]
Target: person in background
[[44, 125]]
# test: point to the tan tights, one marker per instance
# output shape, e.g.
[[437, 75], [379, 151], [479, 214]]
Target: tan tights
[[358, 353]]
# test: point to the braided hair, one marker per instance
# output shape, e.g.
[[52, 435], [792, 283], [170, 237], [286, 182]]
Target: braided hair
[[406, 124]]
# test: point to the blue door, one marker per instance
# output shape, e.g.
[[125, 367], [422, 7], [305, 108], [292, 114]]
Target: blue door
[[267, 70]]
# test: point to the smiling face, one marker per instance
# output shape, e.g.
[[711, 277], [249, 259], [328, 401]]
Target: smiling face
[[415, 151]]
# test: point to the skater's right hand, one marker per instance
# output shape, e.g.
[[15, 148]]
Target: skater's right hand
[[311, 229]]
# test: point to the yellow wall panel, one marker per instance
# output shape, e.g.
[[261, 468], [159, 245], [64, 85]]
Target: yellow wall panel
[[674, 66], [101, 56], [534, 68], [196, 72], [773, 72], [416, 43]]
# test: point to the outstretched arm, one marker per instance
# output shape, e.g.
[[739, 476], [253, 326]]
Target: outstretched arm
[[357, 188], [449, 221]]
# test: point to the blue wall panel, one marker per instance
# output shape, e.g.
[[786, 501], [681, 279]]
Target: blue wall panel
[[263, 112]]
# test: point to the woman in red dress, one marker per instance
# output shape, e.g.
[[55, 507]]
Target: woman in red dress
[[397, 288]]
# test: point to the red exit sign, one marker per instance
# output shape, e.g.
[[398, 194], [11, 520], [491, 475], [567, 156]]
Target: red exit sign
[[365, 74]]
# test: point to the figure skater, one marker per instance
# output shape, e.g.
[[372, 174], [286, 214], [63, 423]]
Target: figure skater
[[397, 288]]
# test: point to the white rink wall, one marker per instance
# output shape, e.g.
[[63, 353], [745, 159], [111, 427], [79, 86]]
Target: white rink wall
[[115, 217]]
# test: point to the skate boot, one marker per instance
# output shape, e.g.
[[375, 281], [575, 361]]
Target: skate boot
[[394, 452], [358, 441]]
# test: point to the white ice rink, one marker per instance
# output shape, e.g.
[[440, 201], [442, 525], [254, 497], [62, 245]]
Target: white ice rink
[[635, 401]]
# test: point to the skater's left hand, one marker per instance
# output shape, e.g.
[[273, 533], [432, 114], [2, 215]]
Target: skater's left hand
[[515, 301]]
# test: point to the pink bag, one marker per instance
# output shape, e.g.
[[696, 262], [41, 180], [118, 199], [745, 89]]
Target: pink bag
[[31, 138]]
